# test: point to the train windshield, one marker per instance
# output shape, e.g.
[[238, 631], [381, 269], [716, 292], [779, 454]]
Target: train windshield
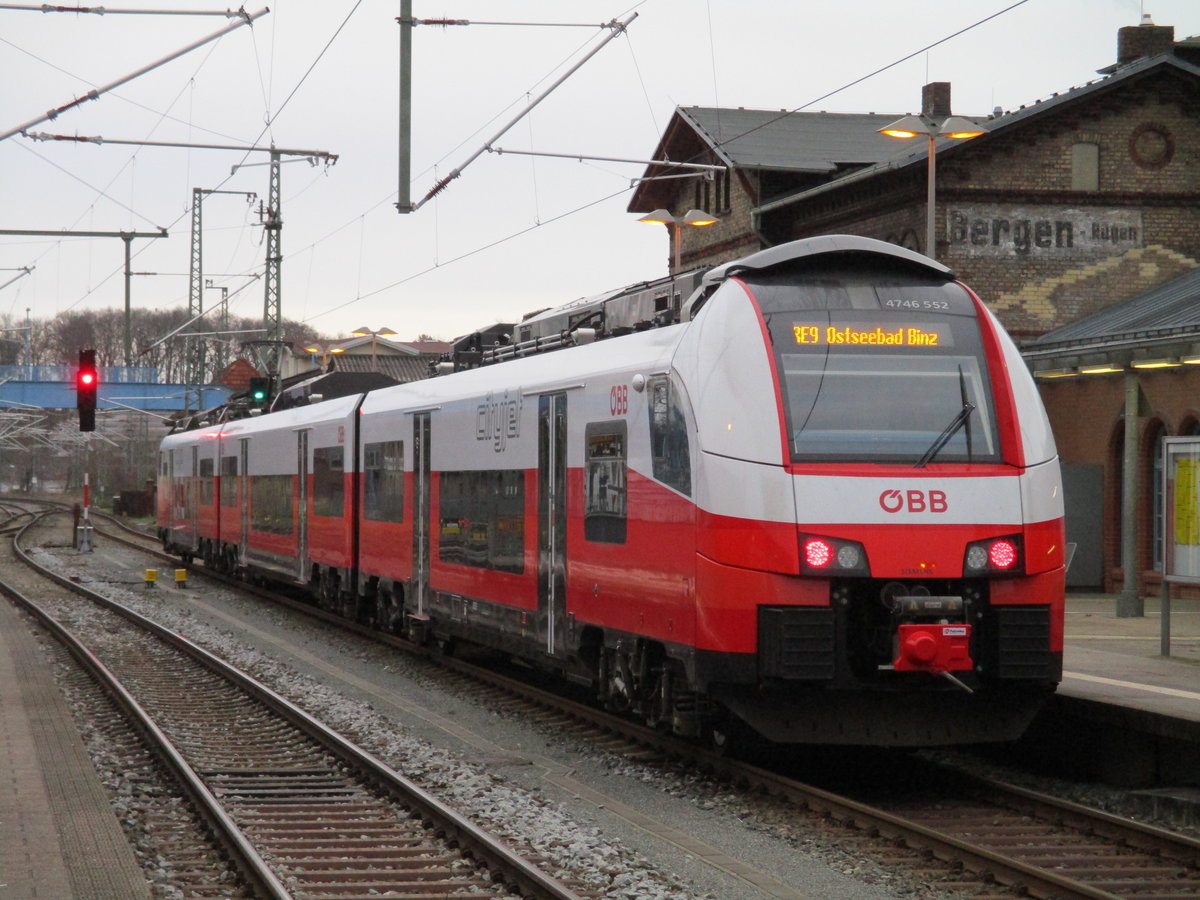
[[880, 367]]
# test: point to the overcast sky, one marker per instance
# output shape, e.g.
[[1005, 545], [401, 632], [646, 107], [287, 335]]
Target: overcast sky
[[513, 233]]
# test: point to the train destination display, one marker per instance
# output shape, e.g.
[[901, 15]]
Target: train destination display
[[867, 335]]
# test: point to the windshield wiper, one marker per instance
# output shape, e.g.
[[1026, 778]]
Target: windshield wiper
[[960, 419]]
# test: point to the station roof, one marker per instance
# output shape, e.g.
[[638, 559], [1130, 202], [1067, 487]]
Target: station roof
[[1165, 313]]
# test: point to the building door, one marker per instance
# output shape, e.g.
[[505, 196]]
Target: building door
[[552, 521], [421, 513], [1083, 500]]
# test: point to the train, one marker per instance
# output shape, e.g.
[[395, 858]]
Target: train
[[810, 496]]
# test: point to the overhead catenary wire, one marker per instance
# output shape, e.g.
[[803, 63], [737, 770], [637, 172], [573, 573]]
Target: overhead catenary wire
[[615, 28], [246, 19], [356, 219], [111, 11]]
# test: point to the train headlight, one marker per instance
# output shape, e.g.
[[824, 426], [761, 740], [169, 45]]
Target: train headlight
[[849, 556], [995, 556], [831, 556]]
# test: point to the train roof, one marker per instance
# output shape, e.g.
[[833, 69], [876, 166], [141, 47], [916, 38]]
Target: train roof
[[647, 351], [809, 248], [826, 245], [295, 417]]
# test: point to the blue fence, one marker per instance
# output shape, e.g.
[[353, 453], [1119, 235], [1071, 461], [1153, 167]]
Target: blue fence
[[108, 374], [53, 387]]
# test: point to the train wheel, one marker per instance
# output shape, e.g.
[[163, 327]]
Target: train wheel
[[659, 703], [725, 734]]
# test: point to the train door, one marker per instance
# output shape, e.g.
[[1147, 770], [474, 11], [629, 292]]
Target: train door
[[302, 506], [193, 501], [552, 520], [244, 496], [421, 476]]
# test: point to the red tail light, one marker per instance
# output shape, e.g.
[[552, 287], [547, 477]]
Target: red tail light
[[995, 556], [832, 556], [1002, 554], [817, 553]]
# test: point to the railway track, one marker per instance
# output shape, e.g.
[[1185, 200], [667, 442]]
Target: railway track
[[979, 838], [303, 812]]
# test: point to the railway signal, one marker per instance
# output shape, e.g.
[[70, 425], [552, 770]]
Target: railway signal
[[87, 381], [259, 391]]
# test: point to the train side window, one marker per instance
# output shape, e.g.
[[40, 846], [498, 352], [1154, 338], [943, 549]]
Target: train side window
[[481, 519], [383, 481], [206, 482], [229, 488], [605, 477], [328, 493], [669, 438], [271, 503]]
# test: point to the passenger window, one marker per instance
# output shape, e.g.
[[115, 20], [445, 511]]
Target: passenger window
[[229, 486], [605, 474], [669, 438], [271, 503], [327, 481], [482, 519], [383, 481], [206, 482]]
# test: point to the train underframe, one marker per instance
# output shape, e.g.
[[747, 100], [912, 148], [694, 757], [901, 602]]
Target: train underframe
[[821, 674]]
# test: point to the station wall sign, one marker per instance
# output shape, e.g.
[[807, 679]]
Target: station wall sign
[[1010, 231]]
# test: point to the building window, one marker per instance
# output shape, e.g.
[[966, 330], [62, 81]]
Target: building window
[[604, 507], [328, 492], [383, 481], [1085, 167]]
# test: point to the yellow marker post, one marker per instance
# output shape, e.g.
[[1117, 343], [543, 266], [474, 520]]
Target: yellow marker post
[[181, 578], [151, 578]]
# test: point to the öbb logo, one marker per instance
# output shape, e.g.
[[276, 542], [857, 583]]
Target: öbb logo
[[893, 501]]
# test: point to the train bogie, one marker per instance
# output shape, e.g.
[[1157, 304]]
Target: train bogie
[[826, 505]]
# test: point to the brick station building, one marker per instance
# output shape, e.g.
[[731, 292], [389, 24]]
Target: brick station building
[[1076, 218]]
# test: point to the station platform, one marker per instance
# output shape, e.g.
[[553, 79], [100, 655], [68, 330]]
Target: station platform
[[1110, 659], [1125, 714], [59, 836]]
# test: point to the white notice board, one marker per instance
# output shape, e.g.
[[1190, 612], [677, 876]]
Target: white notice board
[[1181, 509]]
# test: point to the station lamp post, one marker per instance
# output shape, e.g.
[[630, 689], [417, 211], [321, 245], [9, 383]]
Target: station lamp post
[[324, 352], [382, 332], [956, 127], [697, 218]]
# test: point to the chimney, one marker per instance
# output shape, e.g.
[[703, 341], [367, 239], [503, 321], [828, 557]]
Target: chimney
[[935, 100], [1147, 39]]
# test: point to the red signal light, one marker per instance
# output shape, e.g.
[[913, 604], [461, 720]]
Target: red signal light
[[87, 380], [817, 553], [1002, 554]]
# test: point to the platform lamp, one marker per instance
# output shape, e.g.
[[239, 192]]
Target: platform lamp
[[382, 332], [697, 218], [325, 352], [956, 127]]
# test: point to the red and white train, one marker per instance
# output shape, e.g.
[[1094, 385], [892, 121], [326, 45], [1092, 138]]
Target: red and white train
[[825, 504]]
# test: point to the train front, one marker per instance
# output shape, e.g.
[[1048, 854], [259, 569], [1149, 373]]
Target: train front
[[881, 555]]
